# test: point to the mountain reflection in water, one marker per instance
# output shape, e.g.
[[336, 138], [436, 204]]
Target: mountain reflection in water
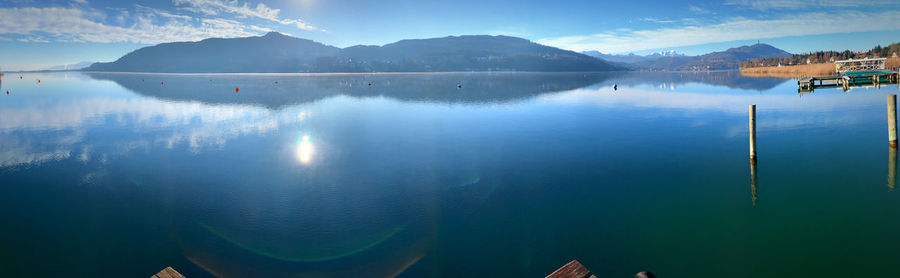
[[325, 176]]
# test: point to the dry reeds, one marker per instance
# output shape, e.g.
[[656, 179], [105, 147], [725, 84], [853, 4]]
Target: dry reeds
[[800, 71]]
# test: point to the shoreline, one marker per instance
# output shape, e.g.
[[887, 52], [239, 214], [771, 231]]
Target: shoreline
[[801, 71], [341, 73]]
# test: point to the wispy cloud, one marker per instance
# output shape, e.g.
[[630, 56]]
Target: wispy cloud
[[215, 7], [730, 30], [161, 13], [801, 4], [32, 39], [656, 20], [78, 22], [515, 32], [699, 10], [148, 26]]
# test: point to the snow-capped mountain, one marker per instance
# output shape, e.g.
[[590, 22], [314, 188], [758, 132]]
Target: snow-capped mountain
[[669, 53]]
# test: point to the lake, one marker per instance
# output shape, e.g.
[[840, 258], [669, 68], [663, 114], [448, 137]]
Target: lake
[[442, 175]]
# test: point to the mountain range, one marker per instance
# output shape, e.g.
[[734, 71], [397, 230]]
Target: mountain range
[[276, 52], [632, 58], [721, 60]]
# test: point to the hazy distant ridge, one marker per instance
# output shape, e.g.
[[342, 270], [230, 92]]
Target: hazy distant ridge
[[76, 66], [276, 52], [728, 59]]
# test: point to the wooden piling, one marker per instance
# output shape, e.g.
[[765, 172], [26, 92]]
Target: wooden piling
[[753, 133], [753, 189], [753, 195], [892, 119], [892, 168]]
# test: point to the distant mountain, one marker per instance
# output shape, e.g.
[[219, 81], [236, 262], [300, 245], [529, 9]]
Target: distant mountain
[[273, 52], [670, 53], [632, 58], [670, 60], [276, 52], [76, 66]]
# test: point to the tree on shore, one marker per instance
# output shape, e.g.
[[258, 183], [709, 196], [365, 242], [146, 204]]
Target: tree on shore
[[824, 57]]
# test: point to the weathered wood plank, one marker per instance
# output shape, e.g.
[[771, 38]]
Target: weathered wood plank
[[163, 274], [168, 272], [173, 273], [573, 269]]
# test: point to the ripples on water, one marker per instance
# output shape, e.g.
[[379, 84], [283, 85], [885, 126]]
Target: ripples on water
[[510, 174]]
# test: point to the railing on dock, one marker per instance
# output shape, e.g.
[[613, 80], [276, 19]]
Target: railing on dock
[[865, 64]]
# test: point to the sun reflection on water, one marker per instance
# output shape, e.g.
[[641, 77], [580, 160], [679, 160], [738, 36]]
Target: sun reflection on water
[[304, 149]]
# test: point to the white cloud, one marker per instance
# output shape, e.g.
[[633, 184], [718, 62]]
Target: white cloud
[[161, 13], [699, 10], [214, 7], [264, 29], [150, 27], [656, 20], [32, 39], [806, 4], [731, 30]]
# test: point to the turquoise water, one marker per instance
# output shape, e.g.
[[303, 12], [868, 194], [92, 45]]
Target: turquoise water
[[442, 175]]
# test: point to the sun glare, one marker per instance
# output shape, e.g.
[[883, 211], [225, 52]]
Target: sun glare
[[304, 149]]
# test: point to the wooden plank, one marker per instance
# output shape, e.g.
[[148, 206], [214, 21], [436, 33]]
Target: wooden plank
[[168, 272], [173, 273], [573, 269]]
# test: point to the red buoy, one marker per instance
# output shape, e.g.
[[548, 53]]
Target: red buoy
[[39, 81], [276, 82], [161, 83], [236, 90]]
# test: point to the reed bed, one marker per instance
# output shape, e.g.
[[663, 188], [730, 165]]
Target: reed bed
[[801, 71]]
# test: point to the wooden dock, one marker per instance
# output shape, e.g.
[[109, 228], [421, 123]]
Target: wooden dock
[[852, 73], [573, 269], [168, 272], [849, 79]]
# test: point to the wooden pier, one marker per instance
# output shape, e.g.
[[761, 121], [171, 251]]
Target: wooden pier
[[168, 272], [852, 73], [573, 269], [849, 79]]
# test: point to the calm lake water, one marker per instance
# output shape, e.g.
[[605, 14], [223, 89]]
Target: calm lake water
[[511, 175]]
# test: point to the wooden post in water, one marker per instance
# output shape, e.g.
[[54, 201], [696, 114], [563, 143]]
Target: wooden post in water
[[892, 168], [753, 133], [753, 189], [892, 119]]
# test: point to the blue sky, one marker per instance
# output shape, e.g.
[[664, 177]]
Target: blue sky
[[40, 34]]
